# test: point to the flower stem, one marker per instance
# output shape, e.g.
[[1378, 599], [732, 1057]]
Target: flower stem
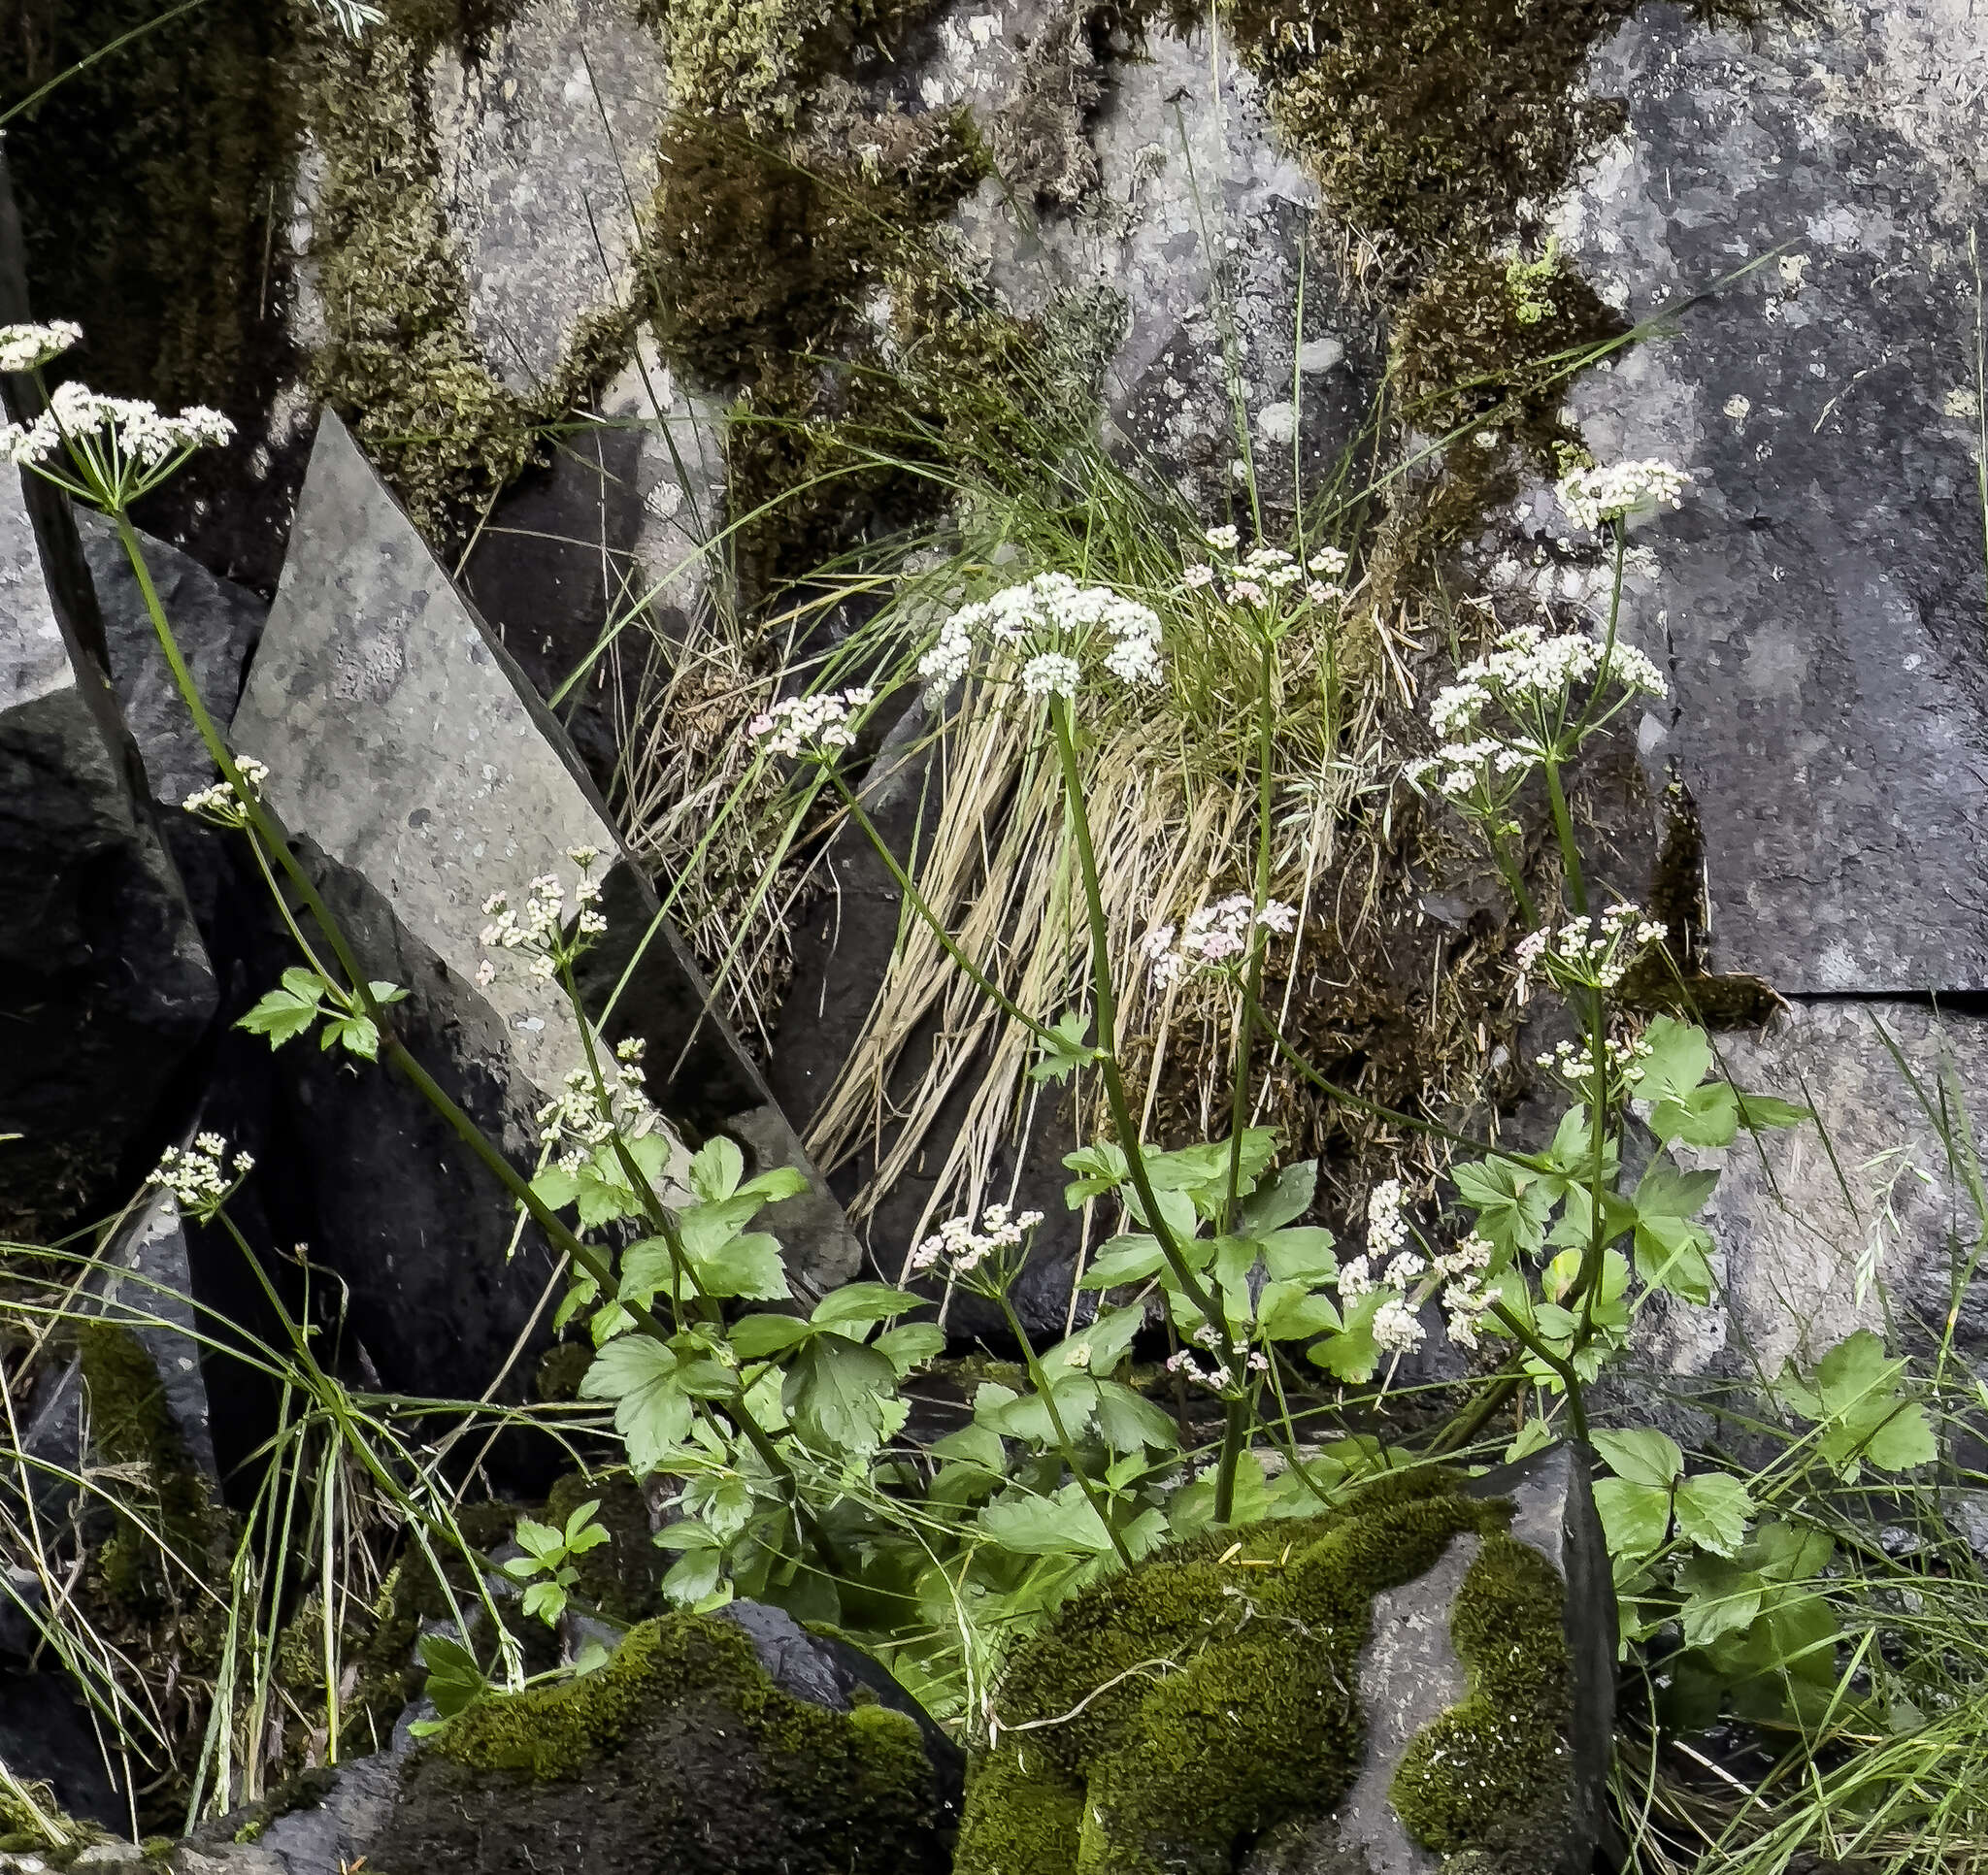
[[1064, 1446]]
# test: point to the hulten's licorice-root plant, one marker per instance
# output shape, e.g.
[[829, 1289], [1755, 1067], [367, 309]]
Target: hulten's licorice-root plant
[[783, 1432]]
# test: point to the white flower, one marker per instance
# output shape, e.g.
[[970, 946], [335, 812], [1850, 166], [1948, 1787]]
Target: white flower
[[1052, 622], [219, 805], [1049, 673], [1329, 563], [809, 727], [1591, 496], [584, 1115], [1198, 575], [200, 1178], [1222, 539], [1355, 1278], [110, 449], [1214, 936], [1386, 1229], [540, 928], [1589, 953], [486, 974], [28, 347], [1396, 1331], [966, 1248]]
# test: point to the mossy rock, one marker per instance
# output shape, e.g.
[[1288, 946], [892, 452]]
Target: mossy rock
[[681, 1753], [1208, 1711]]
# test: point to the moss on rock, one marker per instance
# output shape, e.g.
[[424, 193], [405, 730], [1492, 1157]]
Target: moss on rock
[[1171, 1716], [679, 1754]]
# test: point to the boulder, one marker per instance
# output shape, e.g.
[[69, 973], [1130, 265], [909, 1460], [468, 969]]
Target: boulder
[[1819, 599], [107, 986], [1423, 1681], [404, 746], [1862, 1220], [735, 1744], [47, 1737]]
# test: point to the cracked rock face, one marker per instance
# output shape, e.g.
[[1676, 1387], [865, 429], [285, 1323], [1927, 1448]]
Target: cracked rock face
[[1821, 592], [548, 140]]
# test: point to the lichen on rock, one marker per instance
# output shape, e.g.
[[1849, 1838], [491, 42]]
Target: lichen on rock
[[1171, 1716]]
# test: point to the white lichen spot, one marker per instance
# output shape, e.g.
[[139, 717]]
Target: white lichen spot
[[1737, 408]]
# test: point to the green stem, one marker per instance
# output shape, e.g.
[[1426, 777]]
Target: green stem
[[1066, 1449], [271, 833], [1115, 1098], [1569, 1379]]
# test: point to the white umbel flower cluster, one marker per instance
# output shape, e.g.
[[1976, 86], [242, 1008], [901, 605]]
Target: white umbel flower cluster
[[28, 347], [126, 438], [1219, 1378], [1051, 621], [201, 1180], [219, 805], [1387, 1230], [1466, 1297], [1214, 937], [577, 1121], [967, 1250], [538, 928], [1267, 578], [1589, 953], [811, 728], [1592, 497]]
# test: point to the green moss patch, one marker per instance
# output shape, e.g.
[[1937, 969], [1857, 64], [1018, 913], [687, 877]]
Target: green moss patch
[[1171, 1716], [679, 1754]]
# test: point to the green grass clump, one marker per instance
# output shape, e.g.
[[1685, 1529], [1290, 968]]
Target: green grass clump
[[1171, 1714]]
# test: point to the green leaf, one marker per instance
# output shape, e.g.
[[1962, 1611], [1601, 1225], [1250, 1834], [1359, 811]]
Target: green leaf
[[545, 1601], [1026, 1416], [1064, 1048], [687, 1533], [1289, 1312], [283, 1015], [692, 1579], [388, 993], [1720, 1599], [1641, 1455], [759, 1338], [977, 1445], [1705, 1116], [1030, 1525], [1351, 1355], [1667, 1189], [1759, 1111], [749, 1267], [1636, 1518], [715, 1169], [1512, 1205], [1122, 1261], [859, 1304], [771, 1186], [910, 1345], [651, 1411], [454, 1678], [1099, 1169], [359, 1034], [1128, 1421], [1674, 1254], [1680, 1057], [1301, 1255], [539, 1540], [1866, 1416], [1098, 1348], [1713, 1510], [840, 1396], [1282, 1199]]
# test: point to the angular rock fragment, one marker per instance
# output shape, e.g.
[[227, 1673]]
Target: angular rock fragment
[[404, 746], [216, 624], [103, 983]]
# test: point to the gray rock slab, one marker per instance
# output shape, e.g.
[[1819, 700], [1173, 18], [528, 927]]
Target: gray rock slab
[[103, 983], [216, 624], [1192, 216], [403, 741], [1816, 1228], [545, 132], [1820, 599]]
